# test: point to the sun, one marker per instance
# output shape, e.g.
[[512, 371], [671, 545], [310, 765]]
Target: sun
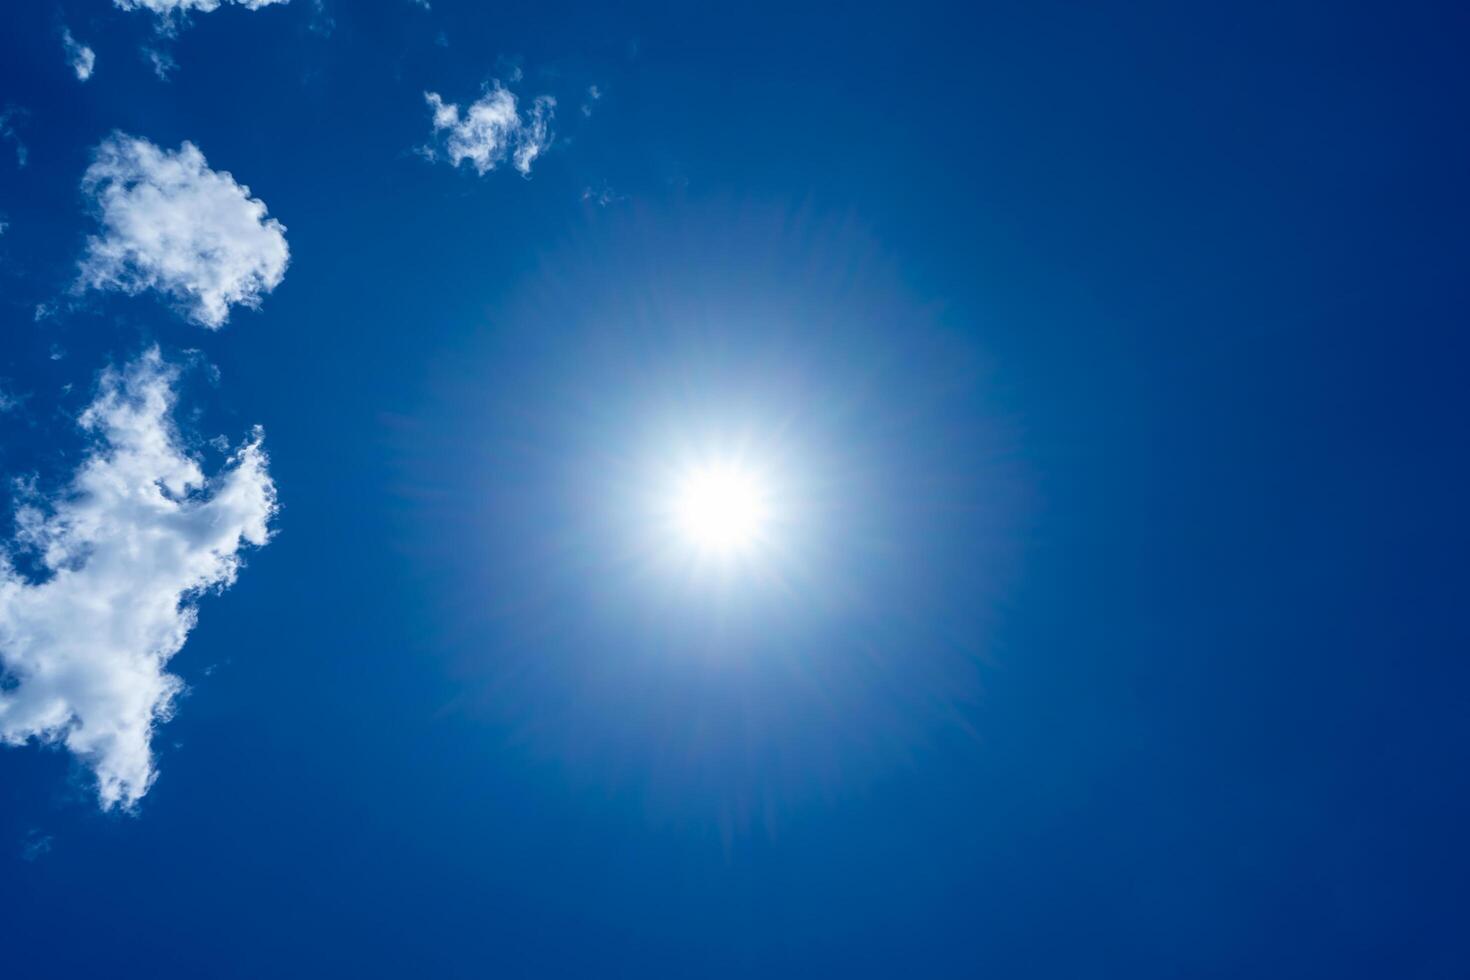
[[720, 508]]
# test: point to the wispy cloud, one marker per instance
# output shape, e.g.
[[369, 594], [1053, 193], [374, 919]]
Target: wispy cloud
[[162, 62], [8, 118], [36, 846], [535, 135], [602, 195], [124, 554], [491, 130], [594, 94], [78, 55], [321, 22], [172, 224]]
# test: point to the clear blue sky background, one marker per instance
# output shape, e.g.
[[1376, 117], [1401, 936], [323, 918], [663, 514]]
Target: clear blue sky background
[[1121, 353]]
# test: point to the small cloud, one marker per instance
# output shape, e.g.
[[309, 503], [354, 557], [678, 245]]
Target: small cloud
[[491, 130], [535, 135], [421, 4], [593, 95], [162, 62], [509, 66], [172, 224], [602, 195], [36, 846], [8, 120], [321, 22], [78, 55]]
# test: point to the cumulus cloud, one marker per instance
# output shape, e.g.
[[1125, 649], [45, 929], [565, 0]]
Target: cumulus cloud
[[172, 224], [491, 130], [81, 58], [121, 557]]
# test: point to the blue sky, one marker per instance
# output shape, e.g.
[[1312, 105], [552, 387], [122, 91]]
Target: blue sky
[[1102, 370]]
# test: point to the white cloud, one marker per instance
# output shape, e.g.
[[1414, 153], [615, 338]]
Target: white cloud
[[172, 224], [79, 56], [491, 130], [535, 135], [168, 7], [124, 554], [162, 62]]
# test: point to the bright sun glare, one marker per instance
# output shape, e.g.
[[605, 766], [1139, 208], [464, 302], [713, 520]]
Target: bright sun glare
[[720, 508]]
